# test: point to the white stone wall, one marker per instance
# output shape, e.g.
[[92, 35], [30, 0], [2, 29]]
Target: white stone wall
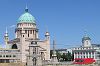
[[23, 35], [46, 45], [87, 43]]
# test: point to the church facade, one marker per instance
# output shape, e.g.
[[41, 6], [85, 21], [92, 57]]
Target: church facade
[[26, 31]]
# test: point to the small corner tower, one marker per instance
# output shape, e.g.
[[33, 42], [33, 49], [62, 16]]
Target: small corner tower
[[6, 37], [86, 41], [47, 35], [47, 45]]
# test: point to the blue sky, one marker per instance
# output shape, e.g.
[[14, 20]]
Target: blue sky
[[66, 20]]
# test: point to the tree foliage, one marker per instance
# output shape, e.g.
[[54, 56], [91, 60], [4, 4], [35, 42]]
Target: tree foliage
[[63, 57]]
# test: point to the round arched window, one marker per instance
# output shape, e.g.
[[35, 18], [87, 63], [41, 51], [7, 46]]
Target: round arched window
[[14, 46]]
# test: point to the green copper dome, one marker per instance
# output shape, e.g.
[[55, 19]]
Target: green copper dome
[[26, 17], [86, 38]]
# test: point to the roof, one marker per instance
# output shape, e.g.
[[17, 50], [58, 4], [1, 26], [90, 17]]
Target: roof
[[61, 50], [86, 38], [26, 17], [14, 40], [95, 45]]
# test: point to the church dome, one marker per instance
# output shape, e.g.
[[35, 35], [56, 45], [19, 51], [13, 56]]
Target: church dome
[[26, 17], [86, 38]]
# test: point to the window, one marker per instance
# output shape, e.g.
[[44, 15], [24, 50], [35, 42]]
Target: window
[[89, 55], [28, 35], [34, 61], [26, 31], [20, 31], [3, 55], [78, 53], [23, 35], [33, 31], [33, 42], [98, 52], [75, 52], [87, 42], [30, 31], [0, 55], [7, 56], [26, 64], [20, 24], [14, 55], [35, 49], [92, 52], [89, 52], [92, 56], [14, 46], [33, 52]]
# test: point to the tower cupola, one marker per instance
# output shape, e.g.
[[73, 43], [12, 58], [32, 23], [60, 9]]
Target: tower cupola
[[86, 41], [47, 35]]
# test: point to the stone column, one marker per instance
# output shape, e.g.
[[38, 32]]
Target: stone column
[[74, 55], [91, 55], [85, 55], [88, 55], [94, 55], [77, 54]]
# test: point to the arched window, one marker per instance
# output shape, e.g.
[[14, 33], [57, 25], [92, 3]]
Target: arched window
[[34, 61], [14, 46]]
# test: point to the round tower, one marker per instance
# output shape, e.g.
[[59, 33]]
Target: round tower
[[26, 26], [47, 44]]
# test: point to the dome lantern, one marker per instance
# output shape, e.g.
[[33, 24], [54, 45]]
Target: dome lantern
[[26, 9]]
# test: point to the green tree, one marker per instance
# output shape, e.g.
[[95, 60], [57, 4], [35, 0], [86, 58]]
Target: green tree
[[69, 56], [64, 57], [51, 52], [72, 56], [58, 55]]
